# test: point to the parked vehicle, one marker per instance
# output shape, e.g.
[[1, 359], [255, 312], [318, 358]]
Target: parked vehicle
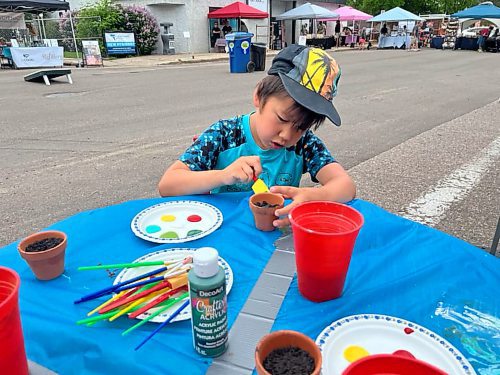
[[472, 32]]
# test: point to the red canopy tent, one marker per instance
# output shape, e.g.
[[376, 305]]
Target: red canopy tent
[[238, 10]]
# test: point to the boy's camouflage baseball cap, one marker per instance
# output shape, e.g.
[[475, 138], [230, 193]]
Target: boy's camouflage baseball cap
[[310, 77]]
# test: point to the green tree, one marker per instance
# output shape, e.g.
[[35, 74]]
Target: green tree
[[375, 6]]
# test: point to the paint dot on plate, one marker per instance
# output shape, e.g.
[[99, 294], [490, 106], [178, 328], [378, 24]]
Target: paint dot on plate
[[193, 232], [408, 330], [169, 235], [152, 229], [168, 218], [353, 353], [194, 218]]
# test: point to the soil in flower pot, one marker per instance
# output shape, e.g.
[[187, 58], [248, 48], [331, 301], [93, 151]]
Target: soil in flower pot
[[263, 206], [42, 245], [290, 343], [289, 360], [44, 253]]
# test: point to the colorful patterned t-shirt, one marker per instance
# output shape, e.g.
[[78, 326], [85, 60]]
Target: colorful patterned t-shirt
[[227, 140]]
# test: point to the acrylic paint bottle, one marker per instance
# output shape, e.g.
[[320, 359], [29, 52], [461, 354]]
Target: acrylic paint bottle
[[207, 291]]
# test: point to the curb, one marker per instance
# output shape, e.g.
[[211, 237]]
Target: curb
[[181, 60]]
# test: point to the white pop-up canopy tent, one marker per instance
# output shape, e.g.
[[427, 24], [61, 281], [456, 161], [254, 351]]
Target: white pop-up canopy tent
[[307, 11]]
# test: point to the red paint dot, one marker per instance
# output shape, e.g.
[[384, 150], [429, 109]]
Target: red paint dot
[[408, 330], [194, 218]]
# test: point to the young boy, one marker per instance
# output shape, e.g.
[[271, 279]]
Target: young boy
[[275, 142]]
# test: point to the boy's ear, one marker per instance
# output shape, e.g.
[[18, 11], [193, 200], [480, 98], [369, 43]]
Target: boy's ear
[[256, 99]]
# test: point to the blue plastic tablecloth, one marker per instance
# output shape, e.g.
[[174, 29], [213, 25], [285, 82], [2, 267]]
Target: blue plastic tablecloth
[[407, 270], [48, 314]]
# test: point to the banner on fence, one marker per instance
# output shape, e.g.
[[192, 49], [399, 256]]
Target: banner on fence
[[12, 21], [120, 43]]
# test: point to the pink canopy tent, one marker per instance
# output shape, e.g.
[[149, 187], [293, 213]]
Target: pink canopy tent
[[350, 14]]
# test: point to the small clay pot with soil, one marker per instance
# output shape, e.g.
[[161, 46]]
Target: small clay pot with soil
[[263, 206], [44, 253], [287, 352]]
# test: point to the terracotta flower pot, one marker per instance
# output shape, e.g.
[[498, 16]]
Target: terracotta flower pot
[[48, 264], [283, 339], [264, 216]]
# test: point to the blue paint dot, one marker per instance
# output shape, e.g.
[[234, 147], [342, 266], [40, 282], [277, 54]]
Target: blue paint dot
[[152, 228]]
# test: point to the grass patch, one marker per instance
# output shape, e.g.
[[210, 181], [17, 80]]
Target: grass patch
[[71, 54]]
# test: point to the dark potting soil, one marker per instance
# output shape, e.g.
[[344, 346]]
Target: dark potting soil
[[42, 245], [289, 360], [265, 204]]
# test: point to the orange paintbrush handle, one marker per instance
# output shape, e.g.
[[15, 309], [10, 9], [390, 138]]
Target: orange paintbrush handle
[[134, 297], [156, 301]]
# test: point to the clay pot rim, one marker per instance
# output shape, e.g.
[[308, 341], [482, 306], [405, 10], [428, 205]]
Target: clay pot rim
[[291, 333], [25, 242], [254, 197]]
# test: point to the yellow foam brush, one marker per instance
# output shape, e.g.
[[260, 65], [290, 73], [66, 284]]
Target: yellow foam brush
[[259, 186]]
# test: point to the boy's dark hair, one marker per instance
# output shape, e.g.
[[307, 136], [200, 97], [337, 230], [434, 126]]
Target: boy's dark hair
[[301, 117]]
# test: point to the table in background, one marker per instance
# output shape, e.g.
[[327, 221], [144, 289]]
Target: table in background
[[37, 57], [470, 44], [394, 41], [349, 39], [437, 42], [324, 43], [220, 45]]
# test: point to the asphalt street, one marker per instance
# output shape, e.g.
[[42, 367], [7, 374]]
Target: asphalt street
[[418, 128]]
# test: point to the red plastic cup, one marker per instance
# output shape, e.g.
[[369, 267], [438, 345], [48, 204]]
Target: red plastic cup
[[390, 364], [324, 234], [12, 354]]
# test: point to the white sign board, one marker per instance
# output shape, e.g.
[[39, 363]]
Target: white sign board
[[38, 57], [259, 4], [302, 40], [91, 52], [187, 35]]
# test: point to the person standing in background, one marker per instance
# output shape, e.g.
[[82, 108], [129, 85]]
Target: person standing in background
[[216, 34], [227, 28], [337, 33], [321, 28]]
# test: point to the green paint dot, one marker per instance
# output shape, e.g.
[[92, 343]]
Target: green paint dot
[[152, 229], [193, 232], [169, 235]]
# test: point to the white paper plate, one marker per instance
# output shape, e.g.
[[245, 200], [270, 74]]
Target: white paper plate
[[129, 273], [381, 334], [176, 221]]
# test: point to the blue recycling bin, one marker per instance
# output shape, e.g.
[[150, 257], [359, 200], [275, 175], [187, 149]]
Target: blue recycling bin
[[238, 45]]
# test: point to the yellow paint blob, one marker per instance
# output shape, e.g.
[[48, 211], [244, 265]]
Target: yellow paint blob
[[168, 218], [353, 353]]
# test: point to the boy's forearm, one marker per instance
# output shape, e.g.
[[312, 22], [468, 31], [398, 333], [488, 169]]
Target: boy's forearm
[[340, 189], [183, 182]]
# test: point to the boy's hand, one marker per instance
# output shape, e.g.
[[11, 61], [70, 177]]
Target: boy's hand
[[242, 170], [297, 195]]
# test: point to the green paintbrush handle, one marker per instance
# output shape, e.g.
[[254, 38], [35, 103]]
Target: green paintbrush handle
[[122, 265]]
